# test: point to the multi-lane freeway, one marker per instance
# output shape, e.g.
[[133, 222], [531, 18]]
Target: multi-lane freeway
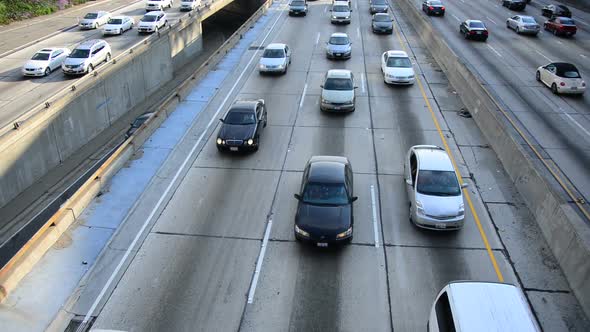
[[210, 241]]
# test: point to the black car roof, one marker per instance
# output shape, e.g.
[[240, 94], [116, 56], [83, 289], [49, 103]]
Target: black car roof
[[562, 67], [326, 172]]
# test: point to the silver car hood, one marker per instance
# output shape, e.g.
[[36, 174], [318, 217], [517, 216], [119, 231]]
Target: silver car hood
[[440, 206], [88, 20], [75, 61], [143, 24], [36, 64], [338, 96], [272, 61], [341, 14], [338, 48]]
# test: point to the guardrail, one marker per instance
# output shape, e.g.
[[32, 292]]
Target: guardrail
[[567, 234], [48, 233]]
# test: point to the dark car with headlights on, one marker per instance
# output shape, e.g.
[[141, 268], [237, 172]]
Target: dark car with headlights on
[[433, 7], [242, 126], [474, 29], [556, 10], [382, 23], [514, 4], [324, 213], [378, 6], [298, 7]]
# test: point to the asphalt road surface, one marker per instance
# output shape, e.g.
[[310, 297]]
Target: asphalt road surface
[[211, 225], [507, 62]]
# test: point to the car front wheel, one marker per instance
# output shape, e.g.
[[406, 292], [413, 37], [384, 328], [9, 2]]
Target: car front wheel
[[538, 76], [47, 71], [108, 57], [90, 69], [517, 30]]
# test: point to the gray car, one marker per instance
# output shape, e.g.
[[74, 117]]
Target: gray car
[[339, 46], [382, 23], [378, 6], [298, 7], [523, 24], [275, 59]]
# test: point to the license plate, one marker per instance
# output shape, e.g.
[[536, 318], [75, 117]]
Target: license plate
[[441, 226], [336, 107], [338, 54], [574, 88], [322, 244], [233, 148], [479, 32]]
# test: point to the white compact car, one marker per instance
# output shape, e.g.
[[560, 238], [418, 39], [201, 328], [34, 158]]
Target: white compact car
[[117, 25], [188, 5], [87, 56], [157, 5], [434, 190], [275, 59], [45, 61], [338, 91], [397, 68], [93, 20], [561, 77], [152, 22]]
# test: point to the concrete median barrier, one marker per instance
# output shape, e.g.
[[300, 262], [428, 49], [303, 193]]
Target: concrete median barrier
[[566, 232]]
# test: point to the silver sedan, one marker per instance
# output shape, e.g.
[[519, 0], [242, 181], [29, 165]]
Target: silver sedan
[[523, 24]]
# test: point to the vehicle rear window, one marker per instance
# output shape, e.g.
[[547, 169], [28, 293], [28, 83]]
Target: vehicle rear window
[[91, 15], [338, 40], [567, 21], [115, 21], [40, 56], [240, 118], [79, 54], [435, 3], [277, 53], [571, 74], [476, 25], [149, 18], [297, 3], [528, 20], [438, 183], [338, 84], [381, 18], [325, 194], [399, 62]]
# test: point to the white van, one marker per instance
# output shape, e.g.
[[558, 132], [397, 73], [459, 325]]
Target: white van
[[470, 306]]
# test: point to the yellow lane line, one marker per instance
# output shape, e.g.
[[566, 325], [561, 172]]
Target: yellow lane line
[[446, 146]]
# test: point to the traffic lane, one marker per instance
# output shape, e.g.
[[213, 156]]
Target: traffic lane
[[302, 288], [182, 283]]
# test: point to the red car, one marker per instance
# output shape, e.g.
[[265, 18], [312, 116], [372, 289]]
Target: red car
[[561, 26]]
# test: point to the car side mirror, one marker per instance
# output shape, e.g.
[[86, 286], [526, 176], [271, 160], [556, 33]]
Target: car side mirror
[[409, 182], [221, 120], [353, 199], [297, 196], [322, 86], [464, 185], [356, 87]]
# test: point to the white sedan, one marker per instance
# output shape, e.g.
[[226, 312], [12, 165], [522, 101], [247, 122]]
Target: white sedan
[[397, 68], [561, 77], [117, 25], [45, 61], [93, 20]]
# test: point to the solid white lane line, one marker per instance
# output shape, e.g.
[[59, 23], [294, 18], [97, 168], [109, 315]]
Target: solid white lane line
[[317, 40], [559, 42], [375, 223], [491, 20], [577, 124], [583, 22], [303, 95], [358, 32], [325, 9], [252, 290], [458, 19], [172, 182], [494, 50], [363, 82], [543, 55]]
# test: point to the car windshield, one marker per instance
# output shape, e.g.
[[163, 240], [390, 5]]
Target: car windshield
[[80, 53], [399, 62], [338, 84], [40, 56], [240, 118], [91, 15], [115, 21], [338, 40], [566, 21], [273, 53], [325, 194], [381, 18], [149, 18], [438, 183], [340, 9], [297, 3], [528, 20], [476, 25], [435, 3]]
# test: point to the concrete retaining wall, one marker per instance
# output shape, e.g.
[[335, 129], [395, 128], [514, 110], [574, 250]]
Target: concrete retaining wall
[[566, 232]]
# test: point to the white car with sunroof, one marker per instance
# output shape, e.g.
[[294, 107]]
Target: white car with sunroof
[[45, 61], [397, 68], [117, 25]]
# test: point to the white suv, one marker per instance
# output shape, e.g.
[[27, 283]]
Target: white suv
[[86, 57], [152, 22], [157, 5], [434, 190]]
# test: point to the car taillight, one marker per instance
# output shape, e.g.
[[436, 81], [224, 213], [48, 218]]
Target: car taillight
[[442, 8], [485, 32], [472, 32], [431, 8], [583, 83], [562, 83]]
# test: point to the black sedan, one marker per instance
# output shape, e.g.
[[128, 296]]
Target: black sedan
[[324, 213], [514, 4], [556, 10], [382, 23], [137, 123], [474, 29], [242, 125], [433, 7]]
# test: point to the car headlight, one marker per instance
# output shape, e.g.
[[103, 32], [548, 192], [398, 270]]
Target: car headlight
[[390, 76], [250, 141], [419, 208], [40, 68], [411, 76], [461, 210], [345, 233], [281, 66], [324, 101], [334, 17], [301, 232], [219, 141], [261, 66]]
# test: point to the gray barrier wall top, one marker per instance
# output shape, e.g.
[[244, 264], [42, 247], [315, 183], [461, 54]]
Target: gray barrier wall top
[[566, 232]]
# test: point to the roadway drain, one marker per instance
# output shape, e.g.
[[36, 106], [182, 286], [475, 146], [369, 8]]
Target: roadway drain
[[464, 113], [255, 48]]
